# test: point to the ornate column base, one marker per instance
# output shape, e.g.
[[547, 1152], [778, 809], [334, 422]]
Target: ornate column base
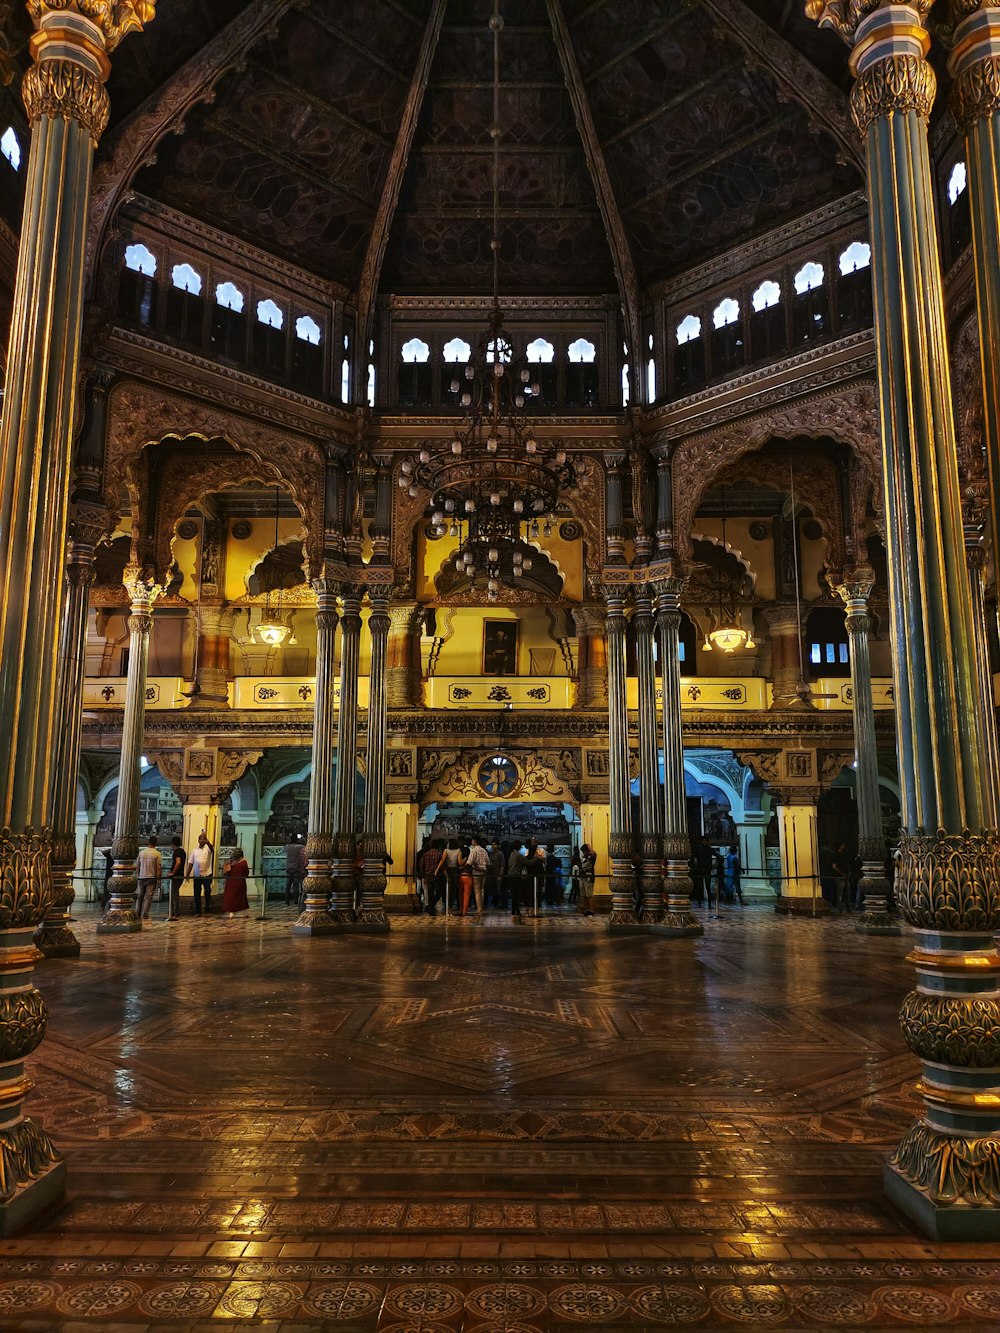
[[945, 1174], [54, 937], [121, 917], [344, 882], [677, 920], [32, 1174], [316, 917], [876, 919], [652, 884]]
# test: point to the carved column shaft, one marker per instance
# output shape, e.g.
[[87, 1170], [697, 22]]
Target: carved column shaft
[[403, 677], [345, 840], [946, 1172], [678, 919], [619, 801], [373, 913], [54, 937], [121, 915], [975, 558], [876, 919], [650, 805], [316, 918], [664, 506], [592, 657], [975, 105], [615, 511], [213, 655]]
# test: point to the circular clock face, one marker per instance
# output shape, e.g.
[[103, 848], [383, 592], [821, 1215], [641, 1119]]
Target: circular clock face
[[497, 776]]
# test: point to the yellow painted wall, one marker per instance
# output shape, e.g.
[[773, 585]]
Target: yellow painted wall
[[462, 652], [243, 556]]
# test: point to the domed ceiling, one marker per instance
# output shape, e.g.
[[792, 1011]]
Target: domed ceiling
[[352, 138]]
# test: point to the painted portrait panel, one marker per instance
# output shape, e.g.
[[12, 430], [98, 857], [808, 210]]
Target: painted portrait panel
[[500, 647]]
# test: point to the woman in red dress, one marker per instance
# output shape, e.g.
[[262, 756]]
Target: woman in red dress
[[234, 897]]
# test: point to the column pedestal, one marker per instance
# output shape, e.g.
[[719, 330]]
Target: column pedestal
[[317, 918], [801, 893], [372, 918], [623, 919]]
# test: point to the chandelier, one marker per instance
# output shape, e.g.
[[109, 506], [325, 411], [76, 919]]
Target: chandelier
[[729, 634], [271, 628], [494, 487]]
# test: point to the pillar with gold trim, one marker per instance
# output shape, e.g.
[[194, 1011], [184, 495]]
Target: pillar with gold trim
[[678, 918], [316, 917], [876, 918], [623, 917], [372, 916], [650, 803], [67, 107], [403, 661], [121, 917], [946, 1172], [345, 835]]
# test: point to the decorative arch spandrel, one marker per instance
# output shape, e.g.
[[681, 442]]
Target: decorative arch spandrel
[[142, 416]]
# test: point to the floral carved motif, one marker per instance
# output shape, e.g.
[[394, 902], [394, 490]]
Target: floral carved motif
[[950, 881], [952, 1031], [949, 1169]]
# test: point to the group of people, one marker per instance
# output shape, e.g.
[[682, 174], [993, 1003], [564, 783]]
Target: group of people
[[505, 876], [840, 878], [715, 875], [198, 867]]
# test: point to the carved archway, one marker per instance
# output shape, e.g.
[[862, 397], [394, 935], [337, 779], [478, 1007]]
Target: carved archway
[[849, 416], [455, 775]]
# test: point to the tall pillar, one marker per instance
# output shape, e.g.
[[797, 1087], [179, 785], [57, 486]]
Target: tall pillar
[[751, 831], [67, 107], [403, 662], [54, 936], [620, 850], [678, 919], [946, 1172], [798, 840], [591, 657], [121, 918], [213, 657], [785, 638], [614, 509], [345, 839], [372, 916], [876, 918], [975, 105], [317, 917], [650, 803], [975, 564], [86, 833]]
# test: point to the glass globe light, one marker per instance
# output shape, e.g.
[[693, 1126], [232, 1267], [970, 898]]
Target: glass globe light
[[491, 444], [517, 571], [469, 372], [493, 555], [466, 399], [519, 400], [494, 498], [460, 565], [272, 632], [406, 467], [517, 557], [449, 506], [425, 456], [498, 370], [413, 491], [454, 386], [470, 506], [518, 506], [527, 562], [536, 388], [560, 457], [728, 637], [437, 518], [530, 445], [525, 374], [456, 447]]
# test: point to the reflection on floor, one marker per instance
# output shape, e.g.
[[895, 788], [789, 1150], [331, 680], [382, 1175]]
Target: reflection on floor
[[458, 1127]]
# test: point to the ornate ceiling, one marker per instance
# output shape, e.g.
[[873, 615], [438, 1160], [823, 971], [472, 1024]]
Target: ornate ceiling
[[639, 136]]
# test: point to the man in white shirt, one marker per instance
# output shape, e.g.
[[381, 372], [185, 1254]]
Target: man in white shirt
[[148, 869], [478, 863], [199, 867]]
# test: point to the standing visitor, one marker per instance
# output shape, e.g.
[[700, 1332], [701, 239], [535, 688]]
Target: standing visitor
[[733, 887], [234, 897], [478, 863], [199, 868], [494, 876], [430, 877], [109, 870], [176, 878], [149, 871], [293, 870], [515, 878], [588, 873], [449, 865]]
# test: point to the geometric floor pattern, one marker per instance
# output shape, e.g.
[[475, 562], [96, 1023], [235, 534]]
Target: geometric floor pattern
[[483, 1127]]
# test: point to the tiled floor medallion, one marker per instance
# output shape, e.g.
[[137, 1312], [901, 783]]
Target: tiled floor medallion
[[427, 1300], [504, 1299], [342, 1300], [835, 1305], [669, 1304], [98, 1300], [755, 1304], [918, 1305], [181, 1300], [583, 1301], [261, 1300]]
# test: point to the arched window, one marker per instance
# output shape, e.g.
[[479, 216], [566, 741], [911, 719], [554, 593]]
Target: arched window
[[854, 288], [767, 294], [371, 385], [270, 313], [414, 351], [858, 255], [651, 380], [269, 341], [10, 146], [810, 304], [539, 352], [626, 393], [455, 353], [307, 330], [727, 337], [229, 323], [959, 217], [689, 355], [185, 307], [345, 381], [140, 260], [137, 289], [809, 277], [542, 353], [767, 322], [581, 374], [415, 374], [307, 355]]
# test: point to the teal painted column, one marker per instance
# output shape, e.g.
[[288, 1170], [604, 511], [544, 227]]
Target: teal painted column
[[345, 835], [946, 1172], [316, 918], [623, 917], [67, 107], [372, 916], [650, 804]]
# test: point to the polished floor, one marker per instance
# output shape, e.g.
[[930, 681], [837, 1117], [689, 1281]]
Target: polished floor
[[481, 1127]]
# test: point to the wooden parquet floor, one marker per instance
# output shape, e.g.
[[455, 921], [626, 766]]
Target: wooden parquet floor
[[481, 1127]]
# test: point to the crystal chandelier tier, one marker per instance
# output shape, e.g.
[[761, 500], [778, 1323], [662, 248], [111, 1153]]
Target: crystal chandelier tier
[[495, 486]]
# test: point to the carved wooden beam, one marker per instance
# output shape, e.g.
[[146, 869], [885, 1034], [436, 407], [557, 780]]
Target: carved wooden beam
[[133, 143], [621, 254], [796, 76], [379, 238]]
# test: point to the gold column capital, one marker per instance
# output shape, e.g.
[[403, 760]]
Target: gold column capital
[[856, 589], [70, 46], [845, 16], [973, 29]]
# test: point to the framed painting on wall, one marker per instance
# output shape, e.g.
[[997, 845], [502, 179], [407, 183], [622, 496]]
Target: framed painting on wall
[[500, 647]]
